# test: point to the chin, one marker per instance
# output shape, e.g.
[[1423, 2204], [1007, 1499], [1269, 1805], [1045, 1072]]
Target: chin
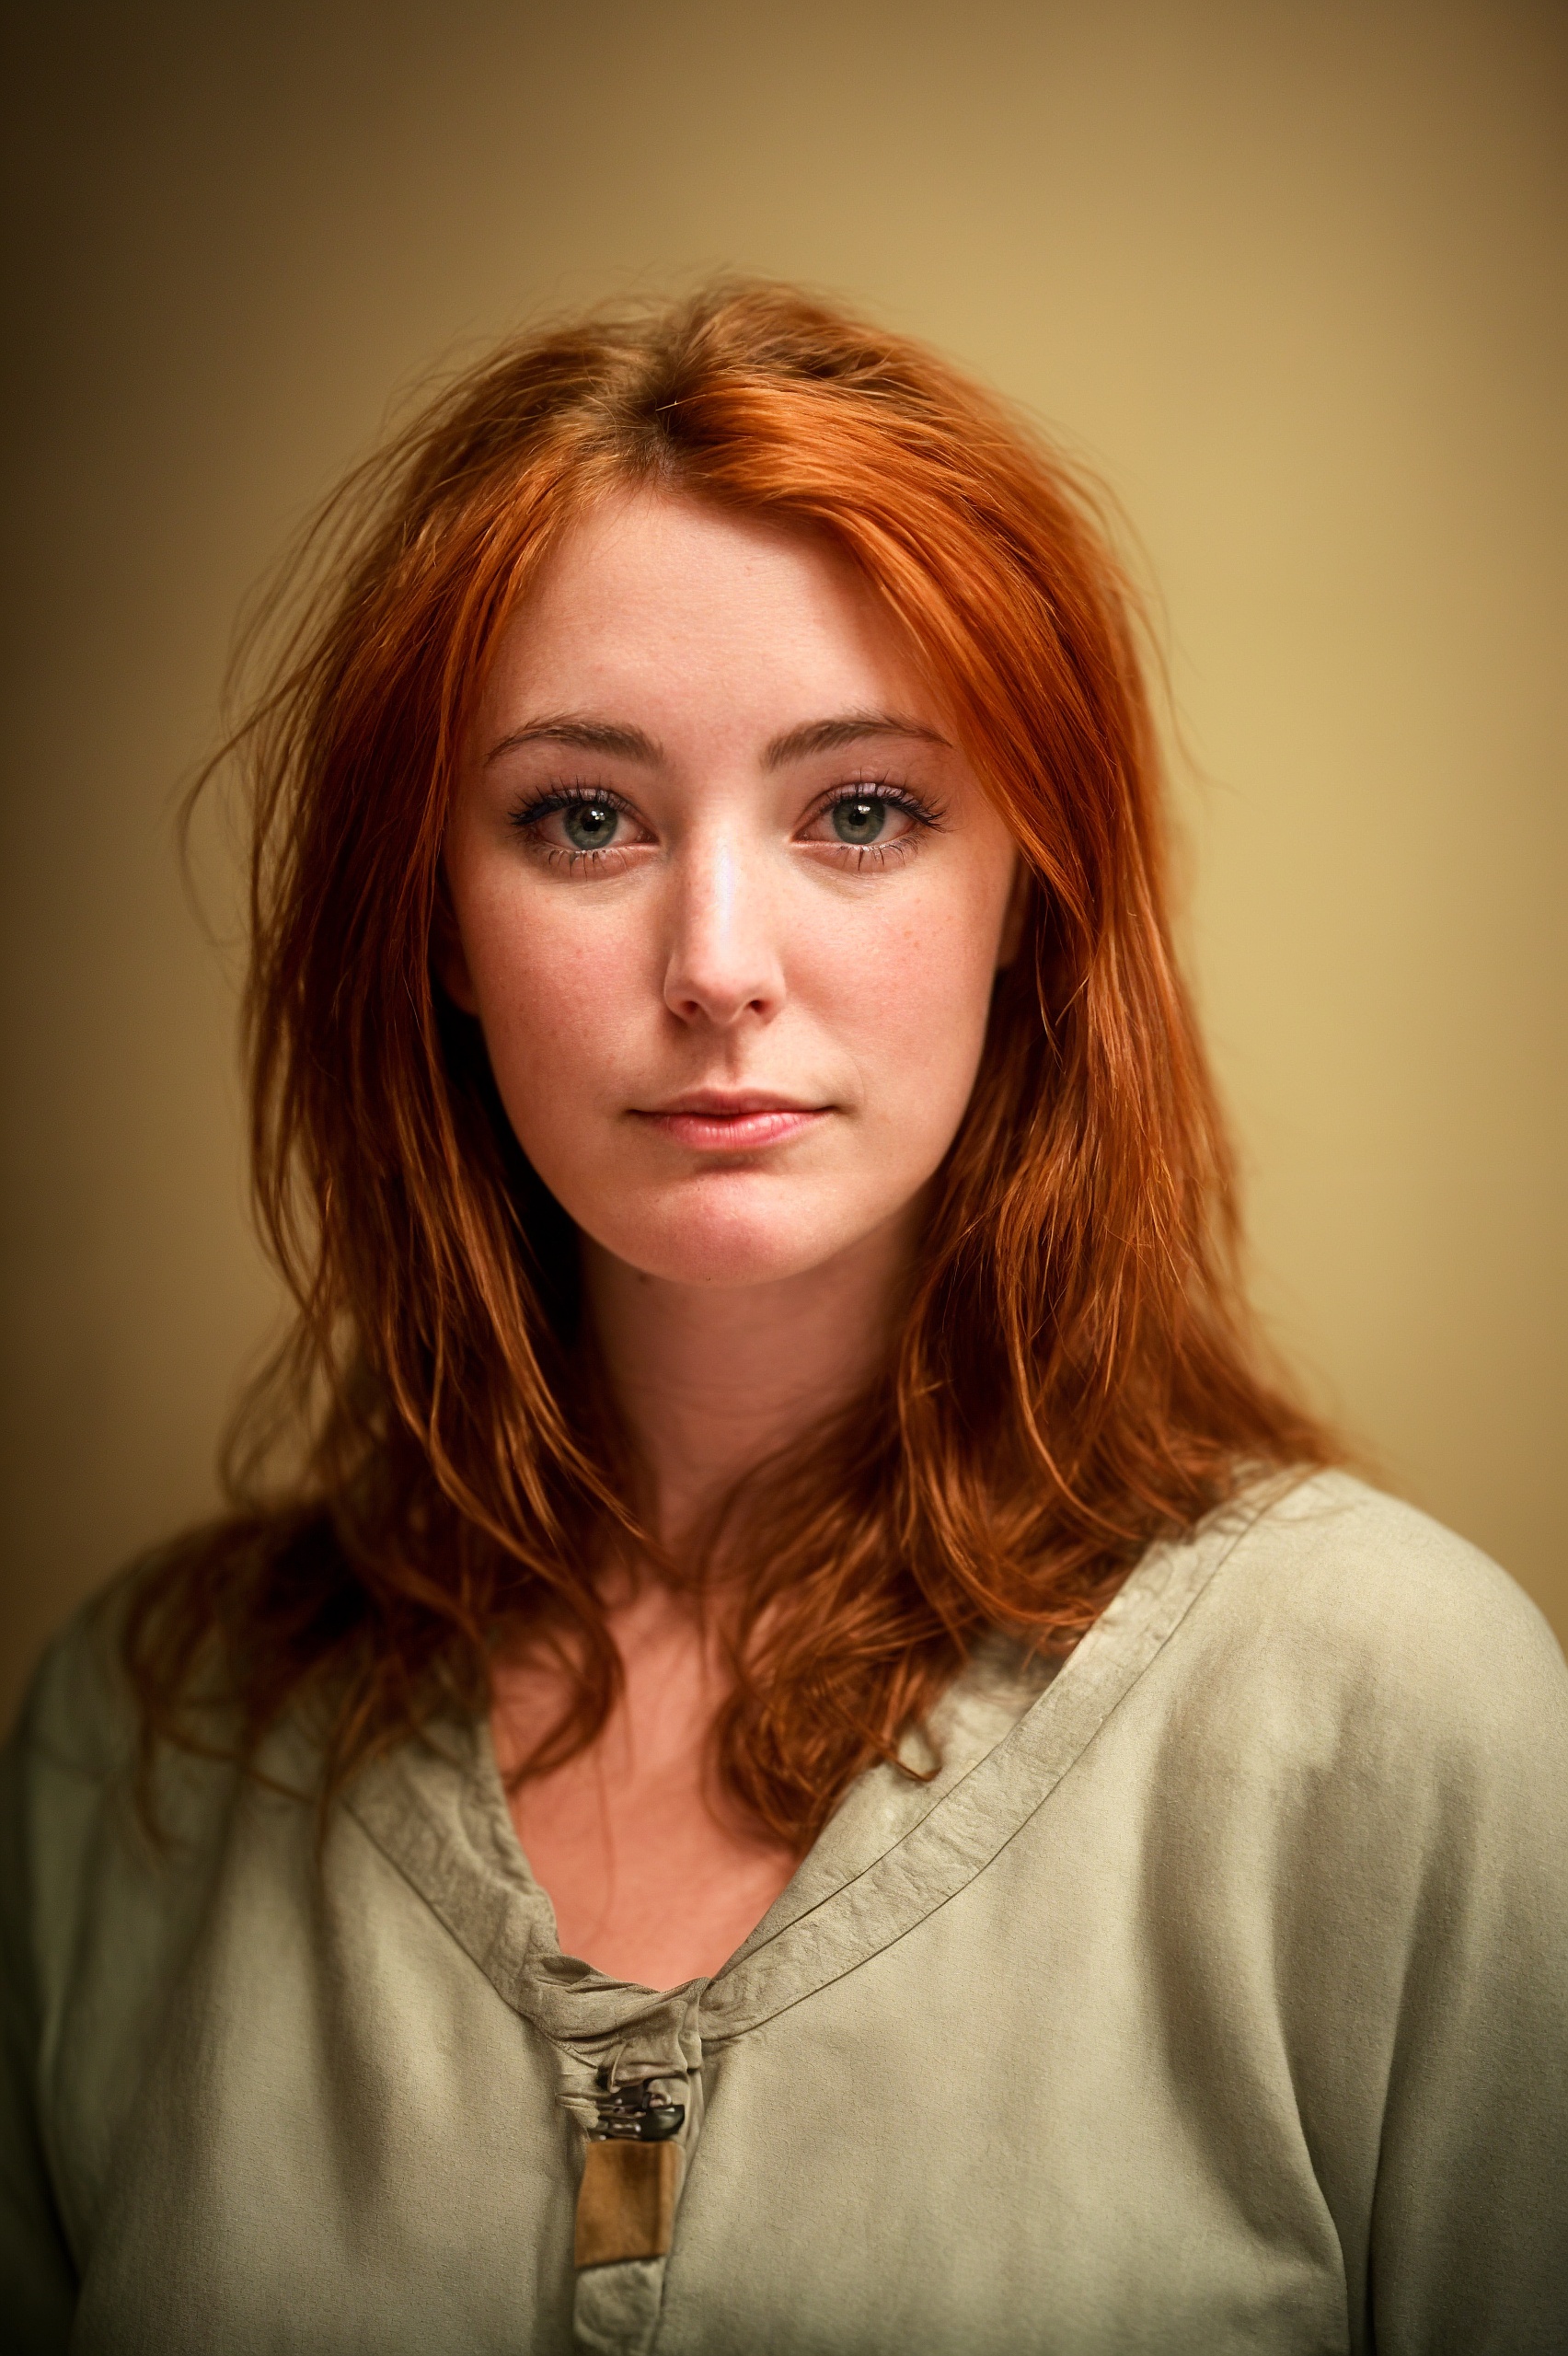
[[734, 1231]]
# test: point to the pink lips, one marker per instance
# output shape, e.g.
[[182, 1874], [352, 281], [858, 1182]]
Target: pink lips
[[708, 1121]]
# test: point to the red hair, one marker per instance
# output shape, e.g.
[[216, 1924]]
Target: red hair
[[1073, 1375]]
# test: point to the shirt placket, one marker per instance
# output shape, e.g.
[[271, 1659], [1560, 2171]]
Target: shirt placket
[[635, 2094]]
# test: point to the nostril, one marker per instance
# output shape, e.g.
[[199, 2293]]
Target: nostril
[[722, 994]]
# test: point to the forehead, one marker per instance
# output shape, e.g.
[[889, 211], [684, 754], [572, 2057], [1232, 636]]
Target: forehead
[[664, 599]]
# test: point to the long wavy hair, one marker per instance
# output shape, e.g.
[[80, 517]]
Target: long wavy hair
[[1073, 1375]]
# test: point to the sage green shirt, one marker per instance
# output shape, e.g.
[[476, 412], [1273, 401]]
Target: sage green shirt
[[1214, 1997]]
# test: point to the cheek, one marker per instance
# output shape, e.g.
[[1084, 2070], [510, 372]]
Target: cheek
[[908, 993], [561, 991]]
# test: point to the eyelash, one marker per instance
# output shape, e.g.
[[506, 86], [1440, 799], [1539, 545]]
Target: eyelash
[[562, 797], [927, 817], [544, 805], [565, 796]]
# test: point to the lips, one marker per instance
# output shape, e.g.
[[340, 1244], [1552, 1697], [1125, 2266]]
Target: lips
[[715, 1120]]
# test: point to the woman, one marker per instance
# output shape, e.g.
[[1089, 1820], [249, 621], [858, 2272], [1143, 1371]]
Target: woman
[[808, 1758]]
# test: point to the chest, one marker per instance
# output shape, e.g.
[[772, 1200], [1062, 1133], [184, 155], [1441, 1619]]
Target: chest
[[654, 1877]]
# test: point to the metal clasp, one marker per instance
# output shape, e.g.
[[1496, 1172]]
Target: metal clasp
[[629, 2113]]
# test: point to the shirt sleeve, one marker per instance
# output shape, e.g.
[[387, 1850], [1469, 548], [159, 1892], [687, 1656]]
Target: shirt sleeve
[[1469, 2243], [38, 2287]]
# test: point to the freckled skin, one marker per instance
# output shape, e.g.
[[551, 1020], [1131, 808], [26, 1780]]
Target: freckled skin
[[679, 889]]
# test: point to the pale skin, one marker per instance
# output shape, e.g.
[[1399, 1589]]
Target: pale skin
[[730, 905]]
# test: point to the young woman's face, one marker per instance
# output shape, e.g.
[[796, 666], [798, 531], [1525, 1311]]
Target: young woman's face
[[729, 901]]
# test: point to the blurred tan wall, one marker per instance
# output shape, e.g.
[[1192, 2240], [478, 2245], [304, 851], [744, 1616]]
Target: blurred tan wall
[[1292, 274]]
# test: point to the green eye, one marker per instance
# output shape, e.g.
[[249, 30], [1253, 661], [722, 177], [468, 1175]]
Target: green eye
[[590, 826], [859, 818]]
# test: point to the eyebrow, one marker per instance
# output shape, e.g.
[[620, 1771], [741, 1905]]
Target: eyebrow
[[582, 736], [847, 728]]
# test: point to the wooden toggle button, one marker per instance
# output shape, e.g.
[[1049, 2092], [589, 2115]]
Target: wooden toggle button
[[626, 2207]]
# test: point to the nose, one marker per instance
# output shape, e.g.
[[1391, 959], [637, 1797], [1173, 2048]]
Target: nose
[[724, 965]]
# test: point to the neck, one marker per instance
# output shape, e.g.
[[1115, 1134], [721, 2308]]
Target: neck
[[713, 1379]]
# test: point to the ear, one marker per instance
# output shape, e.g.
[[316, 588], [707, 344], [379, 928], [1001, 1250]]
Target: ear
[[1017, 910], [448, 960], [452, 972]]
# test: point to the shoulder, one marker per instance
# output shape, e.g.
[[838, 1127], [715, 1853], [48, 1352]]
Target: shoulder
[[1340, 1616], [83, 1841], [1352, 1579], [65, 1776], [77, 1718], [64, 1779]]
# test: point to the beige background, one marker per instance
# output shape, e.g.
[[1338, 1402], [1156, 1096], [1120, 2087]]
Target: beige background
[[1291, 275]]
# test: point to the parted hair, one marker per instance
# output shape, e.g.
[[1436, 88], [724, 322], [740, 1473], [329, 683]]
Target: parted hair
[[432, 1468]]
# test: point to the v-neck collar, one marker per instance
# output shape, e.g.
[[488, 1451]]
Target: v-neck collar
[[441, 1817]]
